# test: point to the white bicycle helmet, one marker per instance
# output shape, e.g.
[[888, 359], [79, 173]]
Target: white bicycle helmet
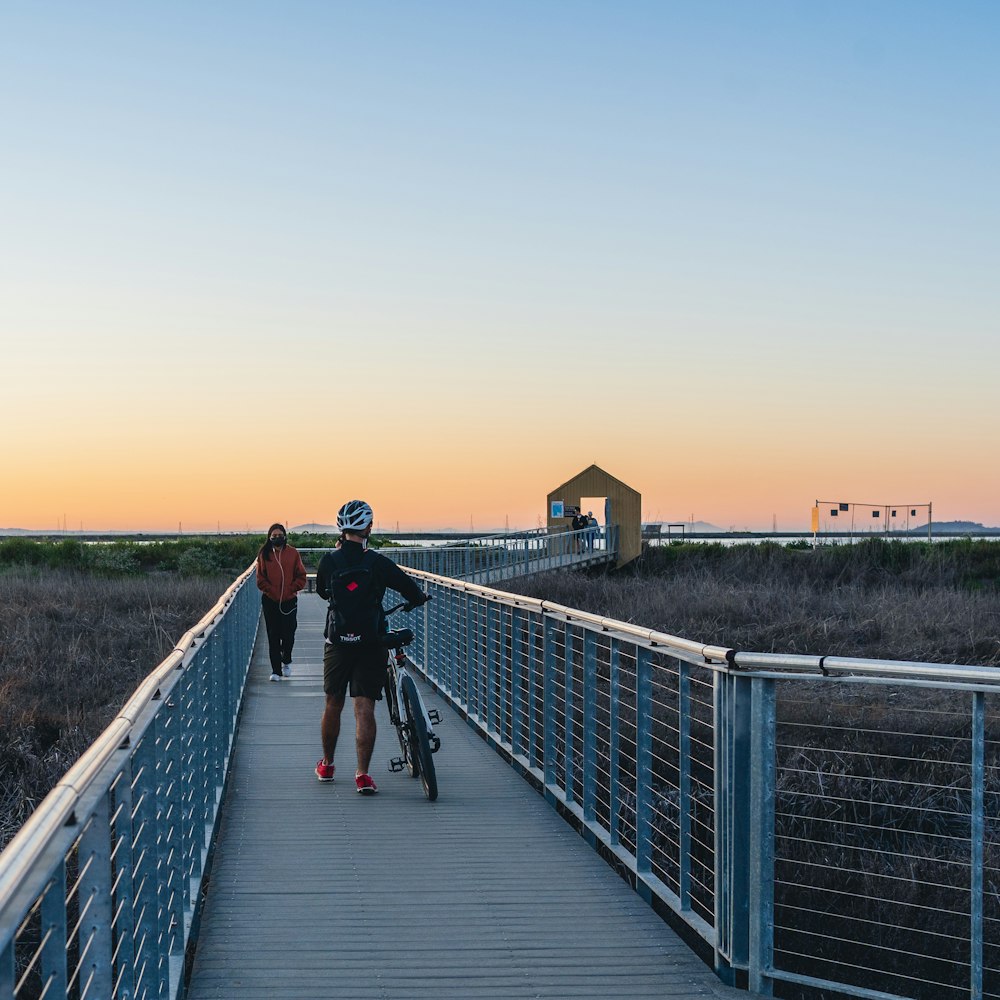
[[355, 515]]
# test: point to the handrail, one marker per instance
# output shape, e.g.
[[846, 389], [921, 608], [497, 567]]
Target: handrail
[[770, 825], [24, 848], [132, 819]]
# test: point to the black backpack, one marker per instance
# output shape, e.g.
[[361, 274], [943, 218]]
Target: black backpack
[[355, 617]]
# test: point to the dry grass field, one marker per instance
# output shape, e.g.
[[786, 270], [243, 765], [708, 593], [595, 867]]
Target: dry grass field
[[73, 647], [888, 600]]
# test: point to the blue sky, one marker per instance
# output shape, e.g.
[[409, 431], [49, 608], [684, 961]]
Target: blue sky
[[730, 242]]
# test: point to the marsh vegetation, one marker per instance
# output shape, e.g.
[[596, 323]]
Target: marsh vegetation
[[888, 600]]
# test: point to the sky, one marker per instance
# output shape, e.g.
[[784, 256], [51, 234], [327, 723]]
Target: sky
[[258, 259]]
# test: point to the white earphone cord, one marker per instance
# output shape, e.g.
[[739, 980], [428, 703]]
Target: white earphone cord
[[281, 596]]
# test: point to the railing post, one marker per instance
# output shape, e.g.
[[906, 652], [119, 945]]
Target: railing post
[[53, 914], [179, 887], [614, 744], [732, 714], [517, 671], [685, 804], [161, 850], [532, 665], [458, 656], [503, 676], [126, 884], [762, 792], [471, 675], [146, 865], [94, 934], [643, 768], [429, 623], [549, 705], [589, 731], [568, 751], [977, 834], [489, 669]]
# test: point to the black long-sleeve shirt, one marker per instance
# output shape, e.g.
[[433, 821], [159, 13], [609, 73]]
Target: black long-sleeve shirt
[[386, 575]]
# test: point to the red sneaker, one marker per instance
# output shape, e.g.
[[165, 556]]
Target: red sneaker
[[324, 771], [365, 784]]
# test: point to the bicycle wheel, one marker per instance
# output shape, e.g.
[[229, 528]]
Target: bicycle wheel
[[420, 741]]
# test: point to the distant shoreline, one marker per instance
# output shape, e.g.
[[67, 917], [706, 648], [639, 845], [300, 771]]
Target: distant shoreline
[[914, 534]]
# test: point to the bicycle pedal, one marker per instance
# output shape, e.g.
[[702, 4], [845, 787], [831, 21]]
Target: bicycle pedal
[[397, 764], [433, 715]]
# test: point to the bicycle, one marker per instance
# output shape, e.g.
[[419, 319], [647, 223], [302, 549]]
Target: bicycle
[[412, 720]]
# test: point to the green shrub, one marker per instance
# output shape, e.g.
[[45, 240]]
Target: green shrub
[[198, 561], [21, 552], [114, 560]]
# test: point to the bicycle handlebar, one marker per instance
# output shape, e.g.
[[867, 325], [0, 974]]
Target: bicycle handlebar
[[406, 606]]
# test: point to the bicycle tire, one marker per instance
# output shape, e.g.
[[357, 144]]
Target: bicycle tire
[[395, 712], [420, 739]]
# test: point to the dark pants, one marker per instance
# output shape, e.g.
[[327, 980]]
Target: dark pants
[[280, 621]]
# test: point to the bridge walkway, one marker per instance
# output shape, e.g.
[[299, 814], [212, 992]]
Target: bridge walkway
[[317, 892], [581, 560]]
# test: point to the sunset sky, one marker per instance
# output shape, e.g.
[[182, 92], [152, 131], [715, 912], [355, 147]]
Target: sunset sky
[[257, 259]]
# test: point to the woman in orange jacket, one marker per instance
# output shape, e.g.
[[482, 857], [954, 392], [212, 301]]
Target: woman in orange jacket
[[280, 577]]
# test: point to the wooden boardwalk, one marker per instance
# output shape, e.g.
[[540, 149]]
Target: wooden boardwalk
[[317, 892]]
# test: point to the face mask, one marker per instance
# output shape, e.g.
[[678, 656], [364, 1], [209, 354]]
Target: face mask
[[278, 541]]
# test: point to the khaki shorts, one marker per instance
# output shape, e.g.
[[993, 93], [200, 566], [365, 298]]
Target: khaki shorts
[[362, 670]]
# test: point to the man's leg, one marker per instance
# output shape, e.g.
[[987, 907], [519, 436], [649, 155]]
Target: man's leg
[[364, 720], [329, 727]]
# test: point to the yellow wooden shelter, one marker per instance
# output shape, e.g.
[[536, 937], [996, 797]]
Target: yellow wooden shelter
[[622, 506]]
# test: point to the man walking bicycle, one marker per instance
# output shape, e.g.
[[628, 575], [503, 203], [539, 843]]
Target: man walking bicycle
[[354, 579]]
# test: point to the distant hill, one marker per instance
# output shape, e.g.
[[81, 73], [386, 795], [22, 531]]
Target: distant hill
[[955, 528]]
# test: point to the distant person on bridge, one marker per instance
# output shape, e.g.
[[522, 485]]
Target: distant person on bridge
[[579, 523], [592, 528], [280, 577], [354, 579]]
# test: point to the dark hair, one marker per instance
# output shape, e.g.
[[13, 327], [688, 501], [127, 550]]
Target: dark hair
[[267, 548]]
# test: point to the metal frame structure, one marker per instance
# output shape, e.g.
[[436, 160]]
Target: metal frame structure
[[99, 890]]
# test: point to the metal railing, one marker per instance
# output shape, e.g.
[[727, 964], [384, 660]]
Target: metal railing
[[819, 821], [99, 889], [501, 557]]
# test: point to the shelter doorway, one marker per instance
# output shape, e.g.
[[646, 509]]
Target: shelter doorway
[[601, 507]]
